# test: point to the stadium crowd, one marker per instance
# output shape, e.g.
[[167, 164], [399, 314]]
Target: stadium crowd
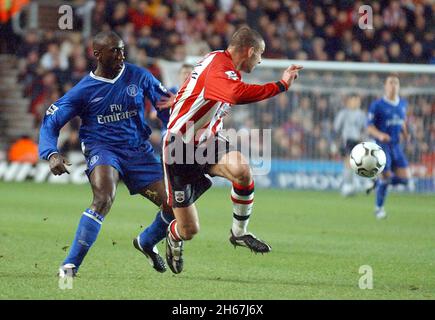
[[302, 125], [50, 63]]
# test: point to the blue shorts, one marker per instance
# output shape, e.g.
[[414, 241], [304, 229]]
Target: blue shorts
[[138, 167], [395, 156]]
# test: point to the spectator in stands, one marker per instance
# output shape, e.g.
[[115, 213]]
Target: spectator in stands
[[53, 58], [140, 15], [28, 71], [42, 93], [30, 43], [393, 14], [432, 58], [293, 29], [196, 45], [99, 14], [120, 16], [79, 70]]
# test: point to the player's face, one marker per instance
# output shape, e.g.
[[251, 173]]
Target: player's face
[[112, 56], [254, 58], [392, 86]]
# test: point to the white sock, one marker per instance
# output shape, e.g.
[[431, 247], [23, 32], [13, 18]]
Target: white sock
[[243, 201]]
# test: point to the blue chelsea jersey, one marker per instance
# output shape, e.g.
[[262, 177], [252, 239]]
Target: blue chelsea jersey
[[111, 110], [388, 118]]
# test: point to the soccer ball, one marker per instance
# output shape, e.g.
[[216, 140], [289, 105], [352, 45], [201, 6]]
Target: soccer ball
[[367, 159]]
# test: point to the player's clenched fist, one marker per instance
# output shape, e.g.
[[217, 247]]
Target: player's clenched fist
[[291, 74], [58, 164]]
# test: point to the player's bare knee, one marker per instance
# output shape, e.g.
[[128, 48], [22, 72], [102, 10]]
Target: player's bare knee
[[242, 174], [102, 203], [188, 231]]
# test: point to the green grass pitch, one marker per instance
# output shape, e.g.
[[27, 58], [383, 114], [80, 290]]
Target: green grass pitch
[[319, 242]]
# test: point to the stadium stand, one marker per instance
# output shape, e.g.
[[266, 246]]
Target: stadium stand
[[50, 62]]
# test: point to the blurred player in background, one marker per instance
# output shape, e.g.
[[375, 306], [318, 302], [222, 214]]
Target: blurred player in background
[[157, 137], [183, 75], [386, 123], [350, 124], [196, 117], [114, 138]]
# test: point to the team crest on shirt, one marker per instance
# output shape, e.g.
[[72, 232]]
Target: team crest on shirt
[[94, 160], [179, 196], [232, 75], [132, 90]]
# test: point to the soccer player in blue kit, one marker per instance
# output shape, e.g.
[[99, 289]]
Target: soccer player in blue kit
[[386, 123], [114, 139]]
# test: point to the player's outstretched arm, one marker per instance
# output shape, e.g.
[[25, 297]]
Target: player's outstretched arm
[[223, 84], [58, 163], [56, 116]]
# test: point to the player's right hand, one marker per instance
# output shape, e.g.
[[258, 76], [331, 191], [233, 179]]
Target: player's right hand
[[383, 137], [58, 164], [291, 74]]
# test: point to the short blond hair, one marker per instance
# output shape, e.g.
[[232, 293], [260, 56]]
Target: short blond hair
[[246, 37]]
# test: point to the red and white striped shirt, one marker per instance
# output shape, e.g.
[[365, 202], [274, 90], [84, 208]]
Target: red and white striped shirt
[[207, 95]]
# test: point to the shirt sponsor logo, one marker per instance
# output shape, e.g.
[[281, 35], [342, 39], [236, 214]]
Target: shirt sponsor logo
[[116, 116], [395, 121]]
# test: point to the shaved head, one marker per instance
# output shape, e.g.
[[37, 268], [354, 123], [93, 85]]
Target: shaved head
[[104, 39], [246, 47], [246, 37]]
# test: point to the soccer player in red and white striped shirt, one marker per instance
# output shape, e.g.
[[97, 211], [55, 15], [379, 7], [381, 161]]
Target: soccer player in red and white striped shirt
[[212, 89]]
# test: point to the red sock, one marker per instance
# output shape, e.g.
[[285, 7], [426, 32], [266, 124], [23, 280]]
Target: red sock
[[173, 232]]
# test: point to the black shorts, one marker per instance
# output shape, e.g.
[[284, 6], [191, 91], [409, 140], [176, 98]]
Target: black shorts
[[347, 147], [185, 180]]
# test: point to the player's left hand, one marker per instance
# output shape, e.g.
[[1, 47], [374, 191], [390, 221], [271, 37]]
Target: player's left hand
[[166, 102]]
